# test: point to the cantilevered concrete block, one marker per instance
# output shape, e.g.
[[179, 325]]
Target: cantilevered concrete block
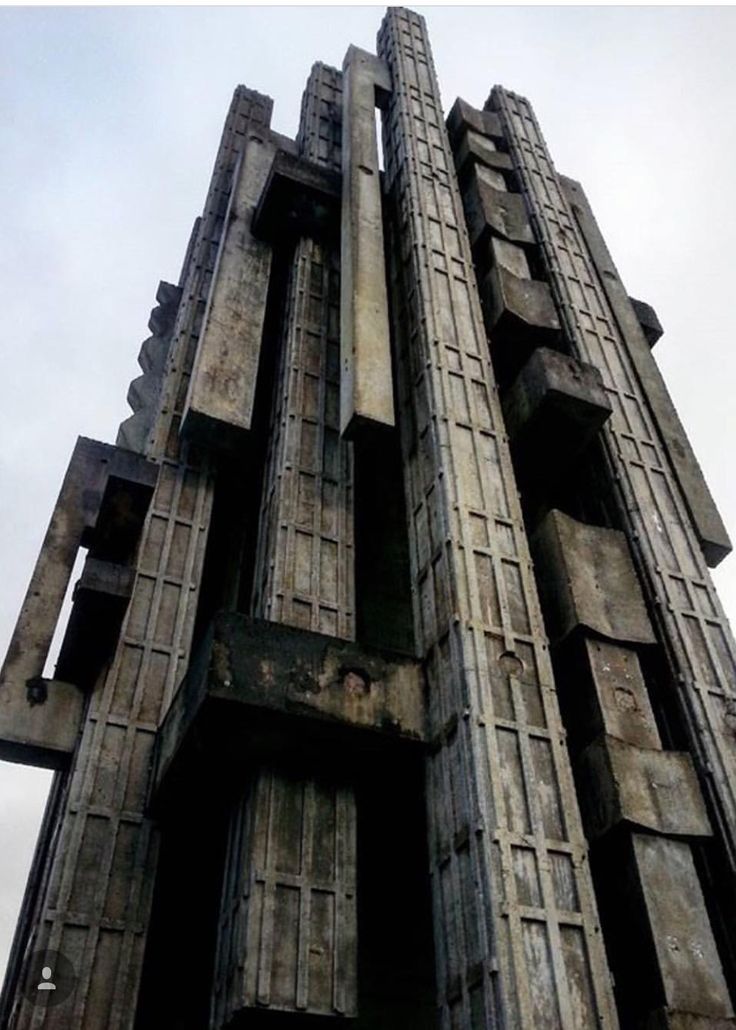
[[366, 384], [614, 699], [490, 210], [39, 719], [464, 116], [519, 313], [472, 149], [587, 579], [219, 405], [300, 198], [647, 316], [553, 410], [645, 788]]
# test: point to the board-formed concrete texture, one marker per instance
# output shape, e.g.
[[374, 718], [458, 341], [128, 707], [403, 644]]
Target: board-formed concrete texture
[[395, 691]]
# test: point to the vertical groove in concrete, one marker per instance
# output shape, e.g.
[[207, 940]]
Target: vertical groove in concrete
[[96, 904], [688, 613], [516, 930]]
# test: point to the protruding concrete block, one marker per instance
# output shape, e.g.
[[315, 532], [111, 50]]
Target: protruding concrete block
[[554, 408], [464, 116], [299, 198], [644, 787], [510, 257], [493, 211], [647, 316], [219, 405], [519, 313], [472, 149], [586, 578], [366, 383], [44, 731], [614, 699]]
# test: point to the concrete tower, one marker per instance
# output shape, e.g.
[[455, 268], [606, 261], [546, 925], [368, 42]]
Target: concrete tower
[[396, 692]]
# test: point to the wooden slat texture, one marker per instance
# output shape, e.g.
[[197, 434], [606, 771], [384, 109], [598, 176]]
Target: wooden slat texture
[[95, 903], [690, 620], [516, 929]]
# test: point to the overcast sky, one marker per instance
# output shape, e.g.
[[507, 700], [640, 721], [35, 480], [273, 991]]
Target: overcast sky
[[110, 121]]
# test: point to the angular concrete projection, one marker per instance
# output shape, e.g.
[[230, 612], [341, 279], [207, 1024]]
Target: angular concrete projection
[[587, 578], [366, 384], [219, 406], [637, 339], [646, 788]]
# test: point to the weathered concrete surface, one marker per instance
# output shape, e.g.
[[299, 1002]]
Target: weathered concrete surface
[[303, 577], [473, 148], [464, 116], [648, 320], [510, 952], [646, 788], [688, 963], [300, 198], [219, 405], [258, 687], [706, 520], [615, 700], [587, 578], [42, 732], [491, 210], [134, 432], [366, 382], [554, 408], [519, 312]]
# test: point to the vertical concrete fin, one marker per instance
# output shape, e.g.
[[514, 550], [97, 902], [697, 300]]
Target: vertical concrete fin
[[706, 519], [366, 385], [492, 827]]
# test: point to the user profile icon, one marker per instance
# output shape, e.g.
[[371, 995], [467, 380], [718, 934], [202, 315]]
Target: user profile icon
[[46, 984], [49, 978]]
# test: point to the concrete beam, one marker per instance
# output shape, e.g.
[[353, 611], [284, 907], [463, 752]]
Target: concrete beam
[[219, 406], [41, 729], [366, 382], [280, 688]]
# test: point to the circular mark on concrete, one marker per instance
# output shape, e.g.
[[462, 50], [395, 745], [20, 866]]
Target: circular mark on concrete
[[50, 978], [511, 664]]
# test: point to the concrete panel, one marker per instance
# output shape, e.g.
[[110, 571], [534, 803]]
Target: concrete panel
[[219, 405], [644, 787], [691, 975], [366, 381], [300, 198], [587, 578], [473, 149]]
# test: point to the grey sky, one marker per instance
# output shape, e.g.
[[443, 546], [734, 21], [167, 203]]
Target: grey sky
[[110, 119]]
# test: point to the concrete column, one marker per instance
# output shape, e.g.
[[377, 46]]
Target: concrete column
[[516, 929], [366, 386]]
